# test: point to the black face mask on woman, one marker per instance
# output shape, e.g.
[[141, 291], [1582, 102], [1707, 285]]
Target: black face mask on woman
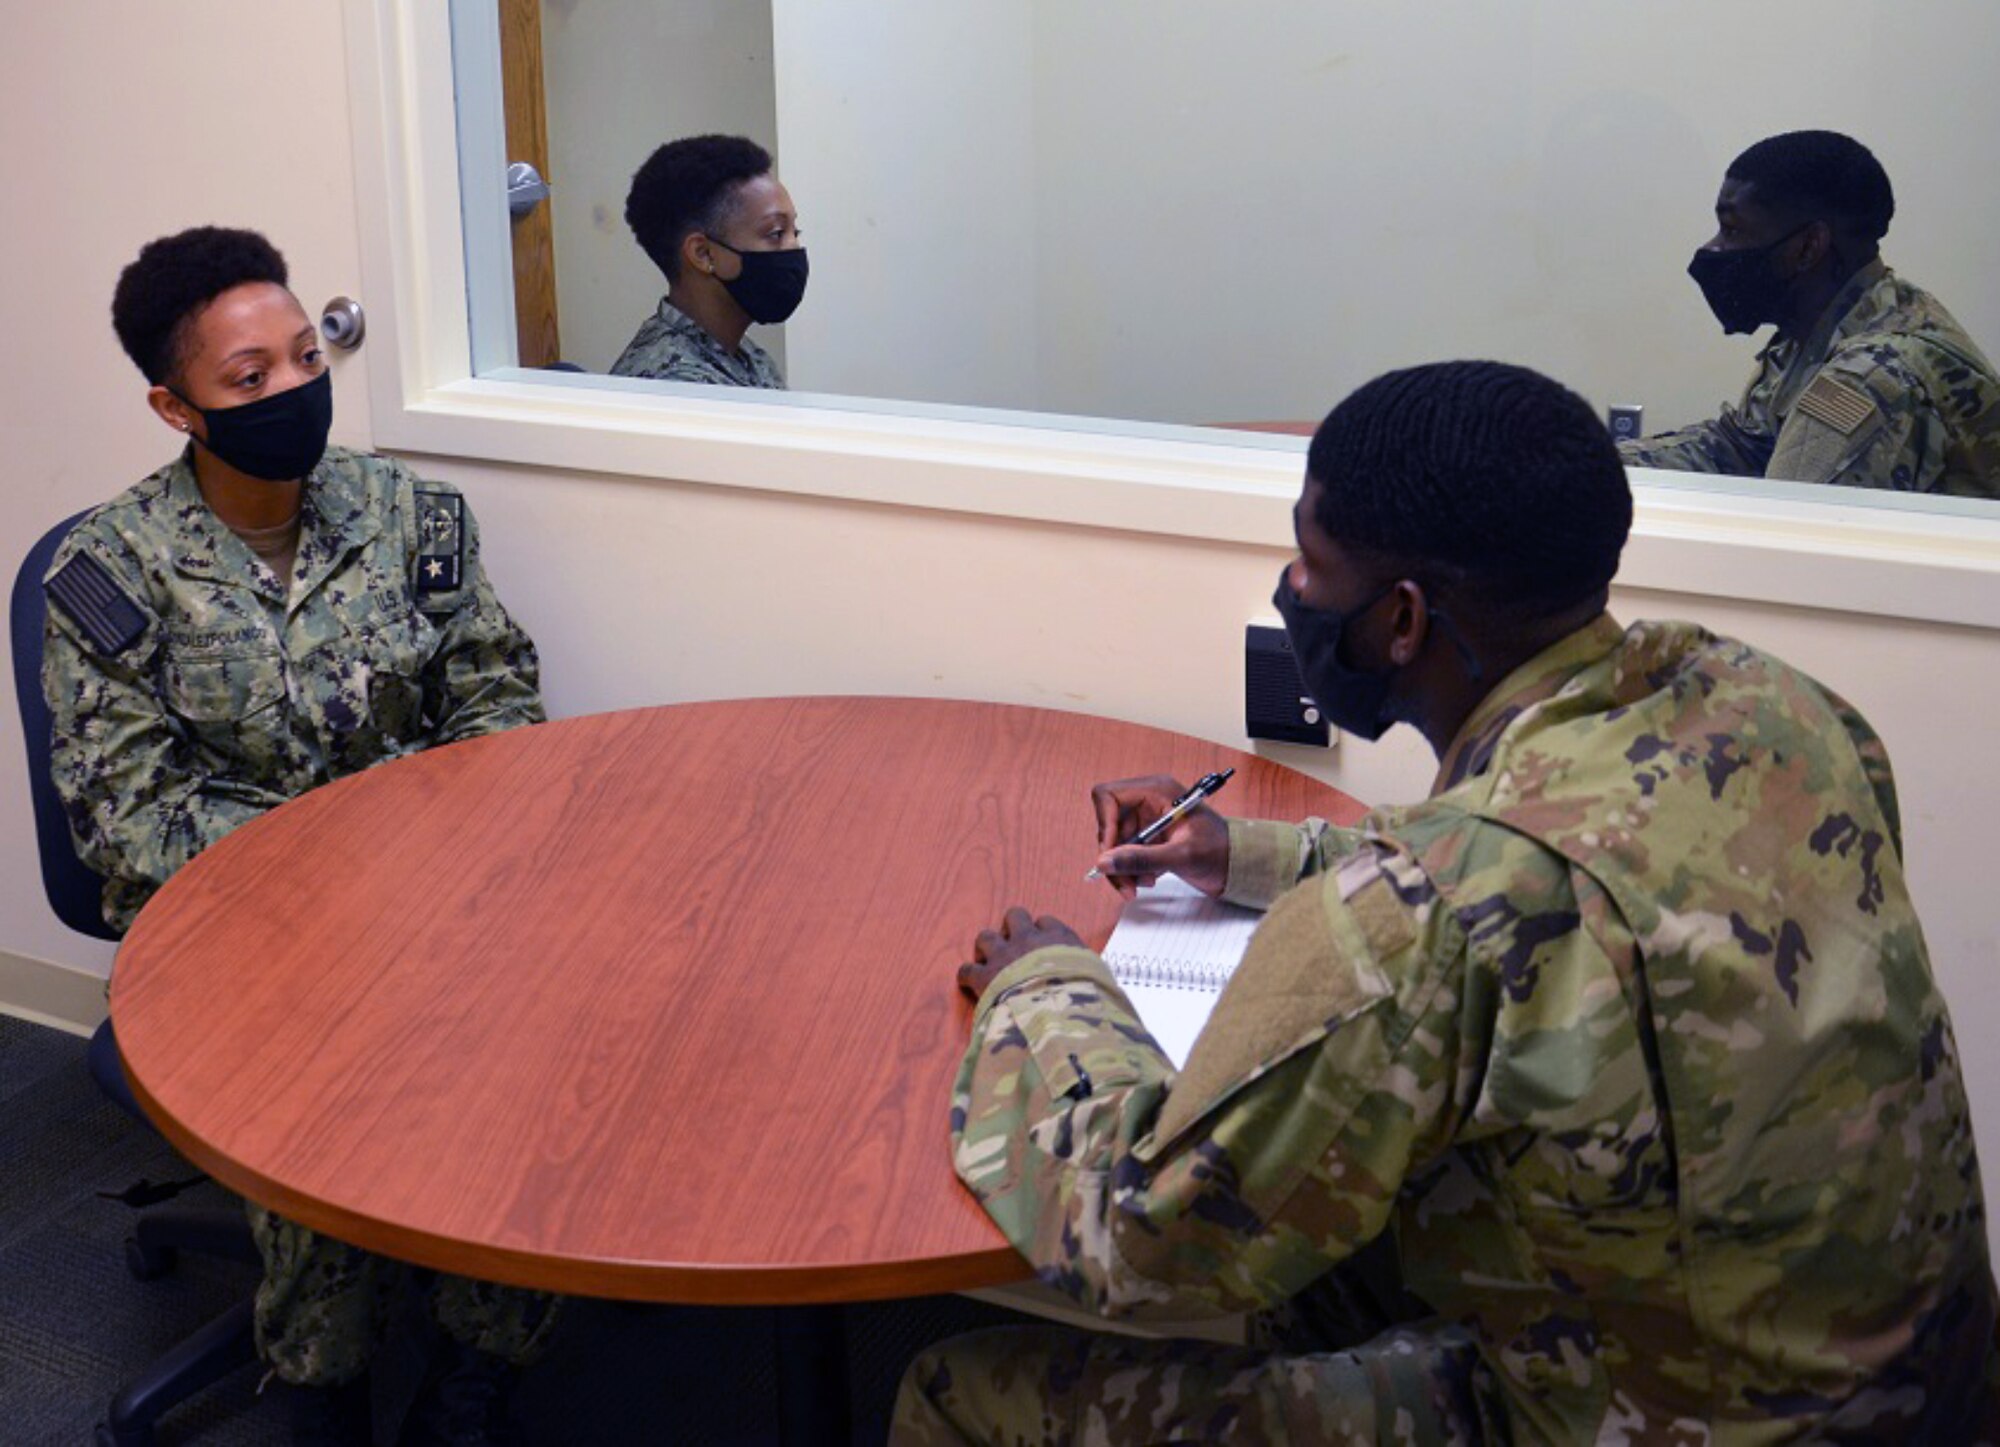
[[1740, 286], [276, 438], [771, 284]]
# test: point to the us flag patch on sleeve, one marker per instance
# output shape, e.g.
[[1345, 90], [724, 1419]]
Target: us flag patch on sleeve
[[85, 590], [1840, 406]]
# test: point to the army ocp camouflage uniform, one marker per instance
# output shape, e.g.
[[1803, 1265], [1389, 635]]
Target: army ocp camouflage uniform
[[191, 690], [671, 346], [1887, 392], [1628, 1033]]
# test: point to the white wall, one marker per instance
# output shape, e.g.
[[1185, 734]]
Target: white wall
[[1243, 211], [908, 146], [620, 78], [744, 593]]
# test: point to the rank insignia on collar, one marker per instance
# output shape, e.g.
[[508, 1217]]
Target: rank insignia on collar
[[441, 530], [85, 590]]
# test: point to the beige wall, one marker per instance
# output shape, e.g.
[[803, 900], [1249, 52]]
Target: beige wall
[[621, 77], [908, 136], [237, 114]]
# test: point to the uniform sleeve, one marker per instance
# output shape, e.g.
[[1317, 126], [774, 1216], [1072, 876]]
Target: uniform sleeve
[[1327, 1071], [1726, 445], [1266, 859], [1874, 757], [484, 676], [139, 806], [1864, 421]]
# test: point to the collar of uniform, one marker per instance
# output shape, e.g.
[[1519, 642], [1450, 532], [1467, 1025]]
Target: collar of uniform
[[1838, 311], [1541, 677], [682, 325], [1782, 352], [337, 518], [205, 547]]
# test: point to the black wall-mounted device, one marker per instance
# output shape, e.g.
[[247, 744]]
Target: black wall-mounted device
[[1275, 703]]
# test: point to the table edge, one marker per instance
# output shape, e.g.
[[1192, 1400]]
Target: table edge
[[702, 1284]]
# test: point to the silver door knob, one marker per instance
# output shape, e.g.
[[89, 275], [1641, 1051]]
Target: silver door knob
[[525, 188], [343, 323]]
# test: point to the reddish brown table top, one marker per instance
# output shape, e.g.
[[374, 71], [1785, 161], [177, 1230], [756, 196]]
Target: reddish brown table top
[[655, 1004]]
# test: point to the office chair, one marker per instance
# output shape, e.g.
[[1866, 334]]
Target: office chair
[[74, 893]]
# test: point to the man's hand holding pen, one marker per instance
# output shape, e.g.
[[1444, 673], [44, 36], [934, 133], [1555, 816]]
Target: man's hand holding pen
[[1145, 828], [1195, 846]]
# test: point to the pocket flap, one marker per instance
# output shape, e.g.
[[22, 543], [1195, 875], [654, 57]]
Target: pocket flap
[[209, 687]]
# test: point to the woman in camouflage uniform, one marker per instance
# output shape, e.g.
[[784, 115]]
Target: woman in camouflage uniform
[[258, 617]]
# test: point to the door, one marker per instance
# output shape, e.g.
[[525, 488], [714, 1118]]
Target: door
[[521, 86]]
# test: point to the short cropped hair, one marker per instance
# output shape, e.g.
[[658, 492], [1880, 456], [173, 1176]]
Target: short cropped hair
[[687, 186], [1485, 480], [161, 293], [1821, 176]]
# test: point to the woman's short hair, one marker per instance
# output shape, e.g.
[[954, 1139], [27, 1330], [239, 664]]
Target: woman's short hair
[[687, 186], [161, 293]]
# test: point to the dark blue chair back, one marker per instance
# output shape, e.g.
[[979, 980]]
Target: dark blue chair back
[[75, 892]]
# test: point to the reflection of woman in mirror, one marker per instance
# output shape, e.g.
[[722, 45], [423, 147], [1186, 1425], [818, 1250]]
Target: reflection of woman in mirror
[[723, 230], [1869, 381]]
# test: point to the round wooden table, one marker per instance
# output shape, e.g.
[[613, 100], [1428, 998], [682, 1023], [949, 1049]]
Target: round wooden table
[[655, 1005]]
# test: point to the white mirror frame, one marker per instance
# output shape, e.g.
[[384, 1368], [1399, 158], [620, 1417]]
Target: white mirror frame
[[1935, 560]]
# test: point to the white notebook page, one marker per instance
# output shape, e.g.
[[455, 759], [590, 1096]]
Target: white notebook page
[[1172, 952]]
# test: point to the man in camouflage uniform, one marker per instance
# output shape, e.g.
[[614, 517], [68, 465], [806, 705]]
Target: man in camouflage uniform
[[1869, 381], [200, 672], [1626, 1035], [724, 233]]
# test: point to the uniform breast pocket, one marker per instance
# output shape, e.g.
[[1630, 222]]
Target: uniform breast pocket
[[398, 652], [230, 703], [208, 688]]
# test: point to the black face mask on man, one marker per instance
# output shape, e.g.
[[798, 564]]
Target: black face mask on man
[[276, 438], [1740, 286], [1352, 701], [771, 284]]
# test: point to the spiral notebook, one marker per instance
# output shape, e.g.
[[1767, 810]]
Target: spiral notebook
[[1172, 952]]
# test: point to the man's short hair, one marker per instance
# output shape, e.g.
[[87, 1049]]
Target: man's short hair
[[688, 186], [161, 293], [1821, 176], [1485, 480]]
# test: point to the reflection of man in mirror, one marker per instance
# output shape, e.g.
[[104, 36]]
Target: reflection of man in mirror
[[723, 230], [1622, 1047], [1869, 381]]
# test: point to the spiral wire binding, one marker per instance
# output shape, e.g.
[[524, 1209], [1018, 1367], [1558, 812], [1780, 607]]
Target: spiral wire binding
[[1173, 974]]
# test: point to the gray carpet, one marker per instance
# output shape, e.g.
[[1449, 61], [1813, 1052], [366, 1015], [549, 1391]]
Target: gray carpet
[[74, 1325]]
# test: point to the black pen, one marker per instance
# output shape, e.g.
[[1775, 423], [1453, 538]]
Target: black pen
[[1185, 805]]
